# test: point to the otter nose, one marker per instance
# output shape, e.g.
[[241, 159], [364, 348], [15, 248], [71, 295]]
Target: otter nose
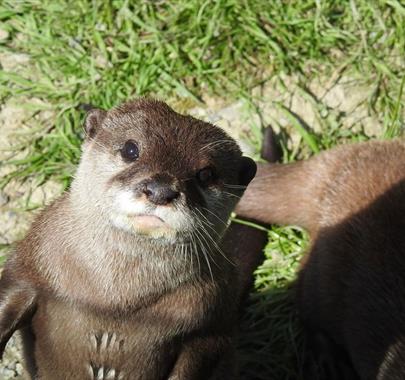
[[160, 193]]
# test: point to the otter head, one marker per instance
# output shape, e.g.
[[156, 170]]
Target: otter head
[[154, 173]]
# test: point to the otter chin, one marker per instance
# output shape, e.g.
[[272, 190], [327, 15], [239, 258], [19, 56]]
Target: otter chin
[[140, 216], [148, 222], [144, 225]]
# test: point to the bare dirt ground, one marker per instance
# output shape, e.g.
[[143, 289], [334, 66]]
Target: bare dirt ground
[[340, 98]]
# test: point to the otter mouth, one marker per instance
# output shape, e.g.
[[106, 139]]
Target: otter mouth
[[141, 218], [147, 221], [144, 224]]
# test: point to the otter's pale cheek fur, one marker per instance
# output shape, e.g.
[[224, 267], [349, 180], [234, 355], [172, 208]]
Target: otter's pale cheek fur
[[127, 209]]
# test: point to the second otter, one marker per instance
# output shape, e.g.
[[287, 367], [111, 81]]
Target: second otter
[[351, 288], [124, 277]]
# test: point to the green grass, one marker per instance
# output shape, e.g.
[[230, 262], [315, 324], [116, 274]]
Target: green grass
[[105, 52], [270, 344]]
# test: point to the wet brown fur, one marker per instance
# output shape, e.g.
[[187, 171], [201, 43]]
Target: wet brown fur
[[89, 308], [351, 286]]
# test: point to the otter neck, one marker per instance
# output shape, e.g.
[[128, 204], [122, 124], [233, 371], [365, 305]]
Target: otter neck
[[112, 268]]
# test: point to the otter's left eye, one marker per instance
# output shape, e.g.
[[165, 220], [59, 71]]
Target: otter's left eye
[[130, 151], [206, 176]]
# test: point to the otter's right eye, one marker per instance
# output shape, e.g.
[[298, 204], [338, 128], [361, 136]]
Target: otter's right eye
[[130, 151], [206, 176]]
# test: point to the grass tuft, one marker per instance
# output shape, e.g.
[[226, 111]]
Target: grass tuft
[[106, 52]]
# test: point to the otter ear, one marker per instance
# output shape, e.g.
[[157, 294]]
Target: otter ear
[[247, 170], [94, 119]]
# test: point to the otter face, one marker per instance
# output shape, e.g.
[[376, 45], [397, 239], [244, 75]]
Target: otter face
[[152, 172]]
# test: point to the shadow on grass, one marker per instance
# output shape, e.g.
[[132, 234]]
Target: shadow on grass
[[271, 344]]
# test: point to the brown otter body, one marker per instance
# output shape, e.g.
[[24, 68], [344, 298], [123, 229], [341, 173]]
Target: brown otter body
[[351, 288], [123, 277]]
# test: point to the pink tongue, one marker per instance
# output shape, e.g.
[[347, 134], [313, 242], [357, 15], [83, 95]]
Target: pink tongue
[[149, 221]]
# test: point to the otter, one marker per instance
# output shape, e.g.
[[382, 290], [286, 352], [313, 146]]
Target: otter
[[350, 290], [131, 274]]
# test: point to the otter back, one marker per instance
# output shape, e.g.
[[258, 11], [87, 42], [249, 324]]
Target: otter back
[[351, 287]]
